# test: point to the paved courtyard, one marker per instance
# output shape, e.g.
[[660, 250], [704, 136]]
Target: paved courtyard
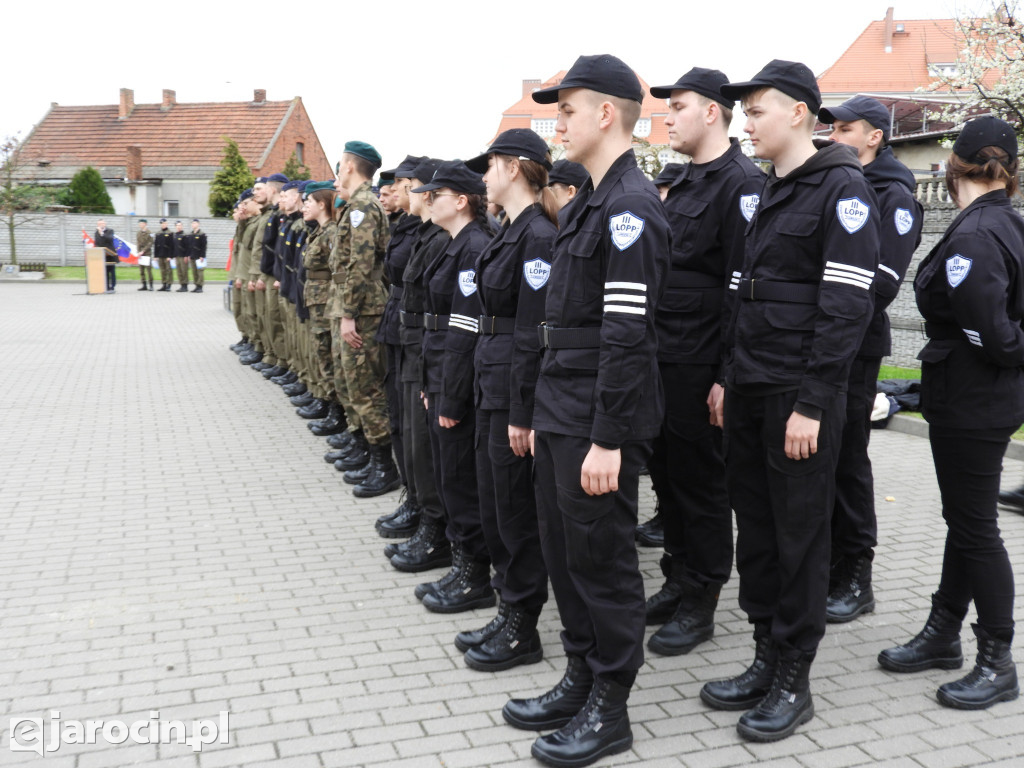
[[174, 543]]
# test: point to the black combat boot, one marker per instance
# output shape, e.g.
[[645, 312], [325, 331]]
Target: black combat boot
[[184, 288], [197, 289], [458, 560], [341, 440], [402, 524], [750, 686], [382, 477], [852, 594], [600, 728], [151, 285], [317, 409], [358, 454], [239, 345], [515, 644], [558, 706], [993, 679], [788, 703], [261, 366], [333, 423], [295, 388], [143, 288], [662, 604], [937, 645], [428, 548], [651, 533], [691, 624], [474, 637], [273, 371], [286, 378], [251, 358], [301, 401], [469, 590]]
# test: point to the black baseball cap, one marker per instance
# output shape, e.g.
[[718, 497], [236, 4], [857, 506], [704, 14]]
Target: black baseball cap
[[426, 169], [791, 77], [456, 176], [706, 82], [603, 73], [984, 132], [569, 173], [407, 168], [858, 108], [519, 142]]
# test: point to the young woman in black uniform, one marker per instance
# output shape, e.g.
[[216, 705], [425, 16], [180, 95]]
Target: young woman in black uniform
[[457, 205], [511, 278], [970, 290]]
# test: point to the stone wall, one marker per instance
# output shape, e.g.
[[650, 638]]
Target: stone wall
[[56, 238]]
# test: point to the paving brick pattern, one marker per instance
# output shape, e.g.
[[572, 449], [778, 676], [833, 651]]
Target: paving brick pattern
[[173, 541]]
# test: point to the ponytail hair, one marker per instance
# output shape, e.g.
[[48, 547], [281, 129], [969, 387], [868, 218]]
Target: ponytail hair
[[995, 165], [536, 175]]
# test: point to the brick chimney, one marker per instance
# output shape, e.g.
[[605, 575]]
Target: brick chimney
[[133, 168], [888, 30], [259, 95], [529, 86], [127, 103], [169, 99]]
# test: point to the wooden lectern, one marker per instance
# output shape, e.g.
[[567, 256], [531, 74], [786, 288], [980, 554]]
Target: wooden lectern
[[95, 270]]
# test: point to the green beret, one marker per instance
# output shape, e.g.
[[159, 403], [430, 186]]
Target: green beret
[[365, 151], [316, 186], [386, 178]]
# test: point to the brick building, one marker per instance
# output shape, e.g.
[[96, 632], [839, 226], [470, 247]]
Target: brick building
[[159, 159]]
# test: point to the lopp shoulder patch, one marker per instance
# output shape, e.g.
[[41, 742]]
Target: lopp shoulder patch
[[748, 205], [356, 217], [852, 213], [467, 282], [957, 267], [625, 229], [536, 273], [904, 220]]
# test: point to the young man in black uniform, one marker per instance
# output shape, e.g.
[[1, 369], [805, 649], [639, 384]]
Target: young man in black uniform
[[182, 248], [708, 203], [863, 123], [163, 248], [598, 404], [803, 302]]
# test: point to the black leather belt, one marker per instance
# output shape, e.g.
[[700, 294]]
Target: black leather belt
[[569, 338], [395, 292], [938, 332], [490, 326], [410, 319], [776, 290], [435, 322], [686, 279]]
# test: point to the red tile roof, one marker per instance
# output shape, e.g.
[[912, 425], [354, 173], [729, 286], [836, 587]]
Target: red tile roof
[[866, 67], [526, 109], [179, 135]]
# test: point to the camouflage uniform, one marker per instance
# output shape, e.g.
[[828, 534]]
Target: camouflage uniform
[[358, 293], [255, 274], [250, 318], [144, 242], [316, 261], [236, 293]]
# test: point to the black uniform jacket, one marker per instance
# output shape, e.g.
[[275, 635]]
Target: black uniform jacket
[[182, 246], [607, 271], [197, 245], [453, 282], [708, 207], [163, 244], [267, 241], [302, 231], [403, 238], [431, 242], [901, 217], [512, 274], [814, 237], [970, 290], [284, 252]]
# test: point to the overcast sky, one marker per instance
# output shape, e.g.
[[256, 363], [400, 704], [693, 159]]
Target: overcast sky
[[423, 77]]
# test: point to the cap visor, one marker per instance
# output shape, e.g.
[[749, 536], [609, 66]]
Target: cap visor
[[547, 95], [478, 164], [735, 91], [831, 114], [427, 188], [664, 91]]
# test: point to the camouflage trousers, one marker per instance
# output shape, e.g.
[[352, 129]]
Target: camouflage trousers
[[236, 309], [198, 275], [144, 271], [364, 370], [322, 373], [273, 323], [183, 270], [249, 317]]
